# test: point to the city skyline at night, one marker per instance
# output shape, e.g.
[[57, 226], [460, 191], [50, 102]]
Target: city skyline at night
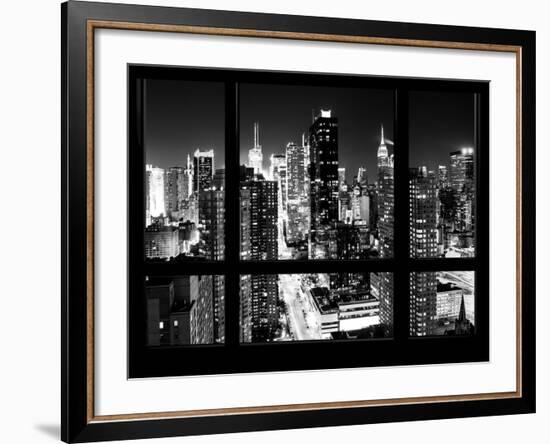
[[182, 116], [315, 183]]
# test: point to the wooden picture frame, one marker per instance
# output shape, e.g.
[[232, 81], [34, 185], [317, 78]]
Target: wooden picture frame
[[80, 20]]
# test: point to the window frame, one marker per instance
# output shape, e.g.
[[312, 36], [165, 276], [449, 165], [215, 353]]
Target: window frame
[[235, 357]]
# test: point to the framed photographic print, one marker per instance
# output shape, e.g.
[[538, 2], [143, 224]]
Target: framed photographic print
[[281, 221]]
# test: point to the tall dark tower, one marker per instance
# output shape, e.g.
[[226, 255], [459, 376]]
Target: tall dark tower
[[385, 202], [212, 222], [323, 174], [203, 170], [422, 244], [261, 197]]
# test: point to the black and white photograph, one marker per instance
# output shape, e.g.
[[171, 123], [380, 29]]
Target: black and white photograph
[[181, 310], [442, 303], [277, 221], [184, 172], [309, 307], [442, 175], [316, 181], [317, 172]]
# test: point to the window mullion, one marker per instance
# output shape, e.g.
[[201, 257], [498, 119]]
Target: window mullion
[[401, 216], [232, 216]]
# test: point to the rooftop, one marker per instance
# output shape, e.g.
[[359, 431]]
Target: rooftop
[[447, 286], [328, 301]]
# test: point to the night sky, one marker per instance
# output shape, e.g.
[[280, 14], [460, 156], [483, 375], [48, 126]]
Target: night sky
[[285, 112], [182, 116], [439, 124]]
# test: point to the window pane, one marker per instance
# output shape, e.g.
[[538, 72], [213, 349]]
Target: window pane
[[183, 310], [301, 307], [184, 171], [316, 172], [442, 303], [442, 174]]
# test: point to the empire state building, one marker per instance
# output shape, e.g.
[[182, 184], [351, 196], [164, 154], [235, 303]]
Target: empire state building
[[385, 197], [385, 228]]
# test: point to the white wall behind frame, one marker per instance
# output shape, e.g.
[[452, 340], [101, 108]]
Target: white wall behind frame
[[115, 394]]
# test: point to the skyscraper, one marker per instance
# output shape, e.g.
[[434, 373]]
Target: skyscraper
[[188, 178], [212, 222], [255, 155], [219, 179], [279, 173], [173, 190], [263, 216], [263, 232], [422, 244], [203, 169], [423, 211], [323, 174], [463, 186], [297, 197], [202, 313], [341, 178], [278, 161], [155, 191], [423, 303], [362, 179], [385, 201], [245, 312], [385, 198], [442, 176]]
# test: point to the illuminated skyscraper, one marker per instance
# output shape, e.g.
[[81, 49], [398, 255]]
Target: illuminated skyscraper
[[385, 198], [278, 162], [423, 211], [362, 179], [255, 155], [356, 199], [245, 312], [422, 244], [341, 178], [323, 174], [442, 176], [203, 170], [188, 178], [385, 201], [463, 186], [262, 304], [278, 172], [212, 222], [173, 190], [297, 197], [155, 191], [423, 303]]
